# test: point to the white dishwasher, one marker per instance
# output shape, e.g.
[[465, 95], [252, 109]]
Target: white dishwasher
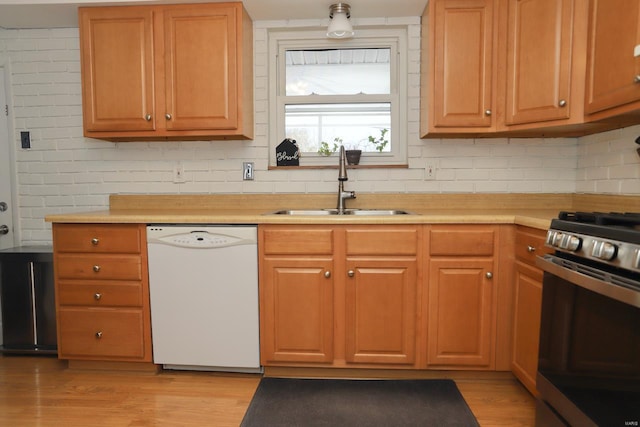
[[203, 285]]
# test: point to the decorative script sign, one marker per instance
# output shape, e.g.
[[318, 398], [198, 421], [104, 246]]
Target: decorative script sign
[[288, 153]]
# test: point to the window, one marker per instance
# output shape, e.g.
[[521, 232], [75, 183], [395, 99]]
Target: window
[[345, 92]]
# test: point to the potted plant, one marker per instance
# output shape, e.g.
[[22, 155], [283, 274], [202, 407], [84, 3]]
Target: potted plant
[[326, 150], [353, 156], [381, 141]]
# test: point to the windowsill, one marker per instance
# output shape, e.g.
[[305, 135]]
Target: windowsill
[[336, 167]]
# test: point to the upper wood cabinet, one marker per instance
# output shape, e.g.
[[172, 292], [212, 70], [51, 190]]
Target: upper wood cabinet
[[613, 71], [458, 66], [512, 67], [167, 72], [540, 61]]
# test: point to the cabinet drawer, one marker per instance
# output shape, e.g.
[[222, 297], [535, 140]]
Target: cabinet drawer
[[100, 267], [297, 240], [462, 240], [101, 332], [97, 238], [382, 241], [530, 244], [100, 294]]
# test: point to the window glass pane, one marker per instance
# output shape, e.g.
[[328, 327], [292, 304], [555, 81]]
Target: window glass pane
[[338, 72], [354, 124]]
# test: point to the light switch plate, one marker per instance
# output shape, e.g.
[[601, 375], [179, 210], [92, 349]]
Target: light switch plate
[[247, 171]]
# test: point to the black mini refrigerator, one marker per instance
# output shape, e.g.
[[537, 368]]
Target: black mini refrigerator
[[28, 301]]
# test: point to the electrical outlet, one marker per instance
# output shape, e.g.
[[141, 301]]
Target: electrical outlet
[[247, 171], [430, 171], [178, 173]]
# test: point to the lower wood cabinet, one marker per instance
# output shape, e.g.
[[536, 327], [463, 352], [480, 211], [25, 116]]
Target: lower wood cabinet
[[102, 292], [345, 297], [461, 321], [296, 310], [462, 297], [527, 305], [380, 317]]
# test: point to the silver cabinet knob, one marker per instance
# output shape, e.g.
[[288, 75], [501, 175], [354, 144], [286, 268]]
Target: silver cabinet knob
[[488, 275], [99, 334], [4, 229], [167, 116], [327, 274], [96, 268], [351, 273], [95, 241], [636, 79], [3, 206], [531, 249], [487, 112], [148, 117], [97, 296], [562, 103]]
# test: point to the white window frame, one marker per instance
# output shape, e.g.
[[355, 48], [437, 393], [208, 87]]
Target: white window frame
[[394, 38]]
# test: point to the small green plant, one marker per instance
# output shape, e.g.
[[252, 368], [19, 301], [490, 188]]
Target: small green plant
[[326, 150], [381, 141]]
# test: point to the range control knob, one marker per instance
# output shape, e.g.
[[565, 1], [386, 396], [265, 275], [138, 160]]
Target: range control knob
[[604, 250], [570, 243], [554, 238], [551, 235], [636, 262]]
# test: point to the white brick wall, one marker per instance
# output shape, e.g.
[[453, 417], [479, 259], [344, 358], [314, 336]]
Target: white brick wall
[[64, 172]]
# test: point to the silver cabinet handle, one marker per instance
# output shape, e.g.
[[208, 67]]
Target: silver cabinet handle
[[562, 103], [96, 268], [148, 117], [531, 249], [489, 275], [327, 274], [351, 273], [487, 112], [167, 116], [99, 334], [97, 296], [4, 229], [95, 241]]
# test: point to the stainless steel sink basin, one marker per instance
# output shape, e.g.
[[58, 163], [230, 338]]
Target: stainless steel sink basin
[[312, 212]]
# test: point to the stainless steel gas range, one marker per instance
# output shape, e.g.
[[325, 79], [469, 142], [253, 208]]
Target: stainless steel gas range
[[589, 356]]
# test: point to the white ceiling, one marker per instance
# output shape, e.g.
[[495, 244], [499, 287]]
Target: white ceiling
[[63, 13]]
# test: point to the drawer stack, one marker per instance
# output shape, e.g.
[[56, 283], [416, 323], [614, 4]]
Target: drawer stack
[[102, 292]]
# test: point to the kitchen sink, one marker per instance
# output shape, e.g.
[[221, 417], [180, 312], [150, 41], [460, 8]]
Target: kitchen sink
[[318, 212]]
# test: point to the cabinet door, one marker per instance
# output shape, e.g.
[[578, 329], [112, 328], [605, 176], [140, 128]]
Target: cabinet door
[[381, 300], [201, 67], [538, 60], [463, 50], [614, 27], [461, 319], [296, 317], [116, 47], [526, 324]]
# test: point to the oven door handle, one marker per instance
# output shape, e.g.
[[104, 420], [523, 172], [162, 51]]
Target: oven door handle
[[589, 278]]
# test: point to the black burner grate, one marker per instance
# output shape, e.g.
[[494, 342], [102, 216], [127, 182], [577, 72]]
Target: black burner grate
[[628, 219]]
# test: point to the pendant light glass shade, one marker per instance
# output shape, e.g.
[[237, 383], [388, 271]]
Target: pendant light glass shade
[[340, 27]]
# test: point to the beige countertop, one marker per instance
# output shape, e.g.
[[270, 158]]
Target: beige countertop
[[537, 219], [532, 210]]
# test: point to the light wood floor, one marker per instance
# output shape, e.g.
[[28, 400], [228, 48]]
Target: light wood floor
[[41, 391]]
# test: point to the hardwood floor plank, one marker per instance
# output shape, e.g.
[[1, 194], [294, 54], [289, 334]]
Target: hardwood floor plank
[[41, 391]]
